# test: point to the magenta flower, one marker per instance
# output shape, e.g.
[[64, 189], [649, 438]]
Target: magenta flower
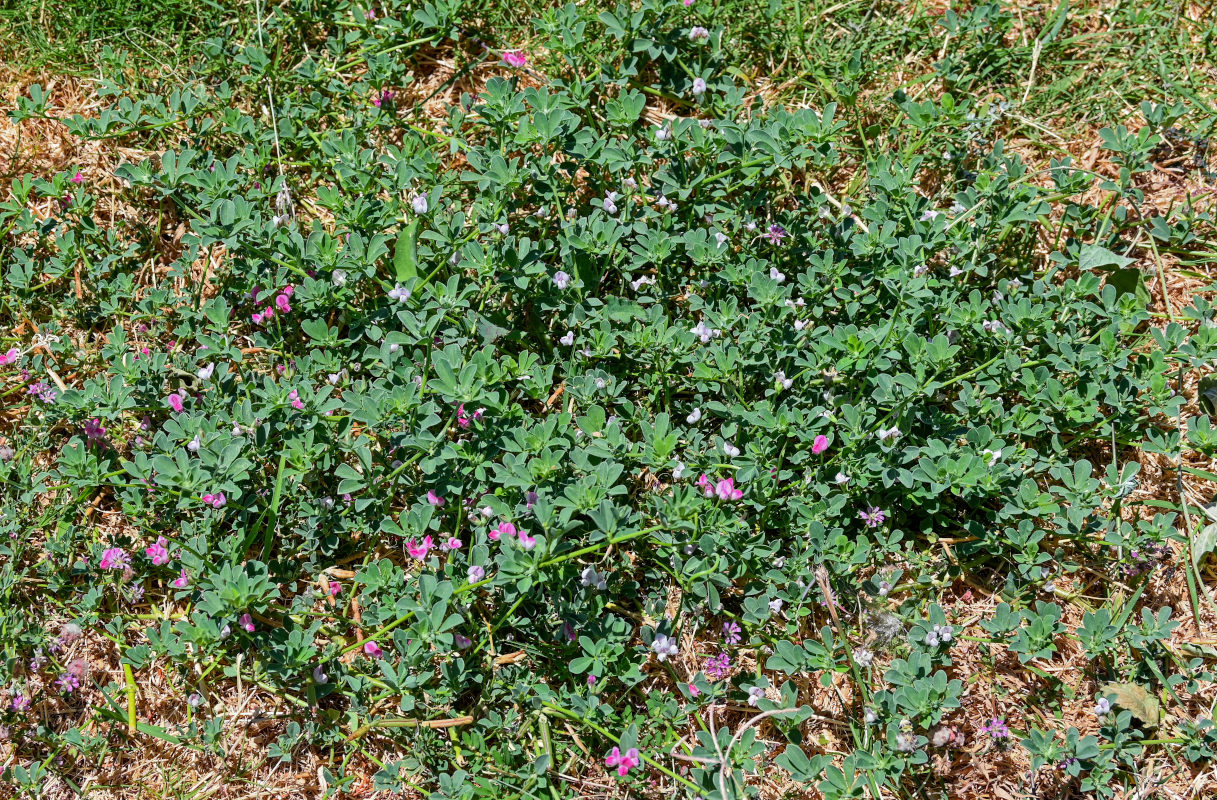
[[725, 490], [693, 690], [623, 763], [776, 233], [247, 622], [158, 552], [717, 667], [217, 500], [371, 648], [731, 633], [10, 357], [175, 401], [706, 487], [282, 302], [505, 529], [515, 58], [453, 543], [419, 550], [819, 445], [182, 581], [335, 588], [526, 541], [434, 499], [78, 178], [114, 558]]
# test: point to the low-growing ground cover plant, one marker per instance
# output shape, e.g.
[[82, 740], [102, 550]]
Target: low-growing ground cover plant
[[602, 428]]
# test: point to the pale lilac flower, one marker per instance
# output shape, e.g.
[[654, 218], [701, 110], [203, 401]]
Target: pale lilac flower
[[476, 574], [731, 633], [319, 676], [561, 280], [889, 433], [720, 238], [645, 280], [194, 444], [955, 272], [863, 657], [664, 646], [678, 471], [205, 372], [873, 516], [699, 87], [698, 34], [776, 275], [730, 449], [930, 214], [694, 416], [610, 202], [841, 479], [775, 605], [755, 695], [1102, 706], [993, 326], [502, 228], [592, 579], [663, 133], [780, 378], [705, 332], [399, 293], [568, 339]]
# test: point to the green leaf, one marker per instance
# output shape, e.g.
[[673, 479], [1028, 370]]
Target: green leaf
[[1095, 257], [1204, 543], [405, 253], [1129, 281], [1136, 699]]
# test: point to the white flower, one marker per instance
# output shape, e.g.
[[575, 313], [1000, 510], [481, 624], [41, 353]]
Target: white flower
[[487, 511], [645, 280], [890, 433], [195, 444], [755, 695], [993, 326], [841, 479], [694, 416], [863, 657], [678, 471], [419, 203], [610, 202], [776, 275], [503, 228], [561, 280], [334, 377], [800, 324], [568, 339], [721, 238], [699, 87], [930, 214], [945, 632], [206, 372], [592, 579], [780, 377], [663, 133], [630, 183], [664, 646], [339, 278], [956, 272], [730, 449], [399, 293], [919, 270], [871, 716]]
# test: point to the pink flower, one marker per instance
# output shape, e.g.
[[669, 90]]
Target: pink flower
[[725, 490], [370, 14], [819, 445], [417, 550], [247, 622], [217, 500], [873, 516], [693, 690], [625, 762], [114, 558], [706, 488], [335, 588], [282, 303], [505, 529], [175, 401], [526, 541], [159, 552], [78, 178], [182, 581], [453, 543], [515, 58], [434, 499], [371, 648], [10, 357], [591, 680]]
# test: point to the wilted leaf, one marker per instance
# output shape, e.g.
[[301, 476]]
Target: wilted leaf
[[1136, 699], [1204, 543]]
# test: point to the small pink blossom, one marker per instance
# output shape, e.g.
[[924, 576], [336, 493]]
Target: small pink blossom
[[158, 552], [114, 558], [247, 622], [693, 690], [10, 357], [434, 499], [182, 581], [335, 588], [706, 487], [419, 550], [78, 178], [725, 490], [515, 58], [526, 541], [371, 648], [175, 401], [505, 529], [819, 445], [623, 763], [453, 543]]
